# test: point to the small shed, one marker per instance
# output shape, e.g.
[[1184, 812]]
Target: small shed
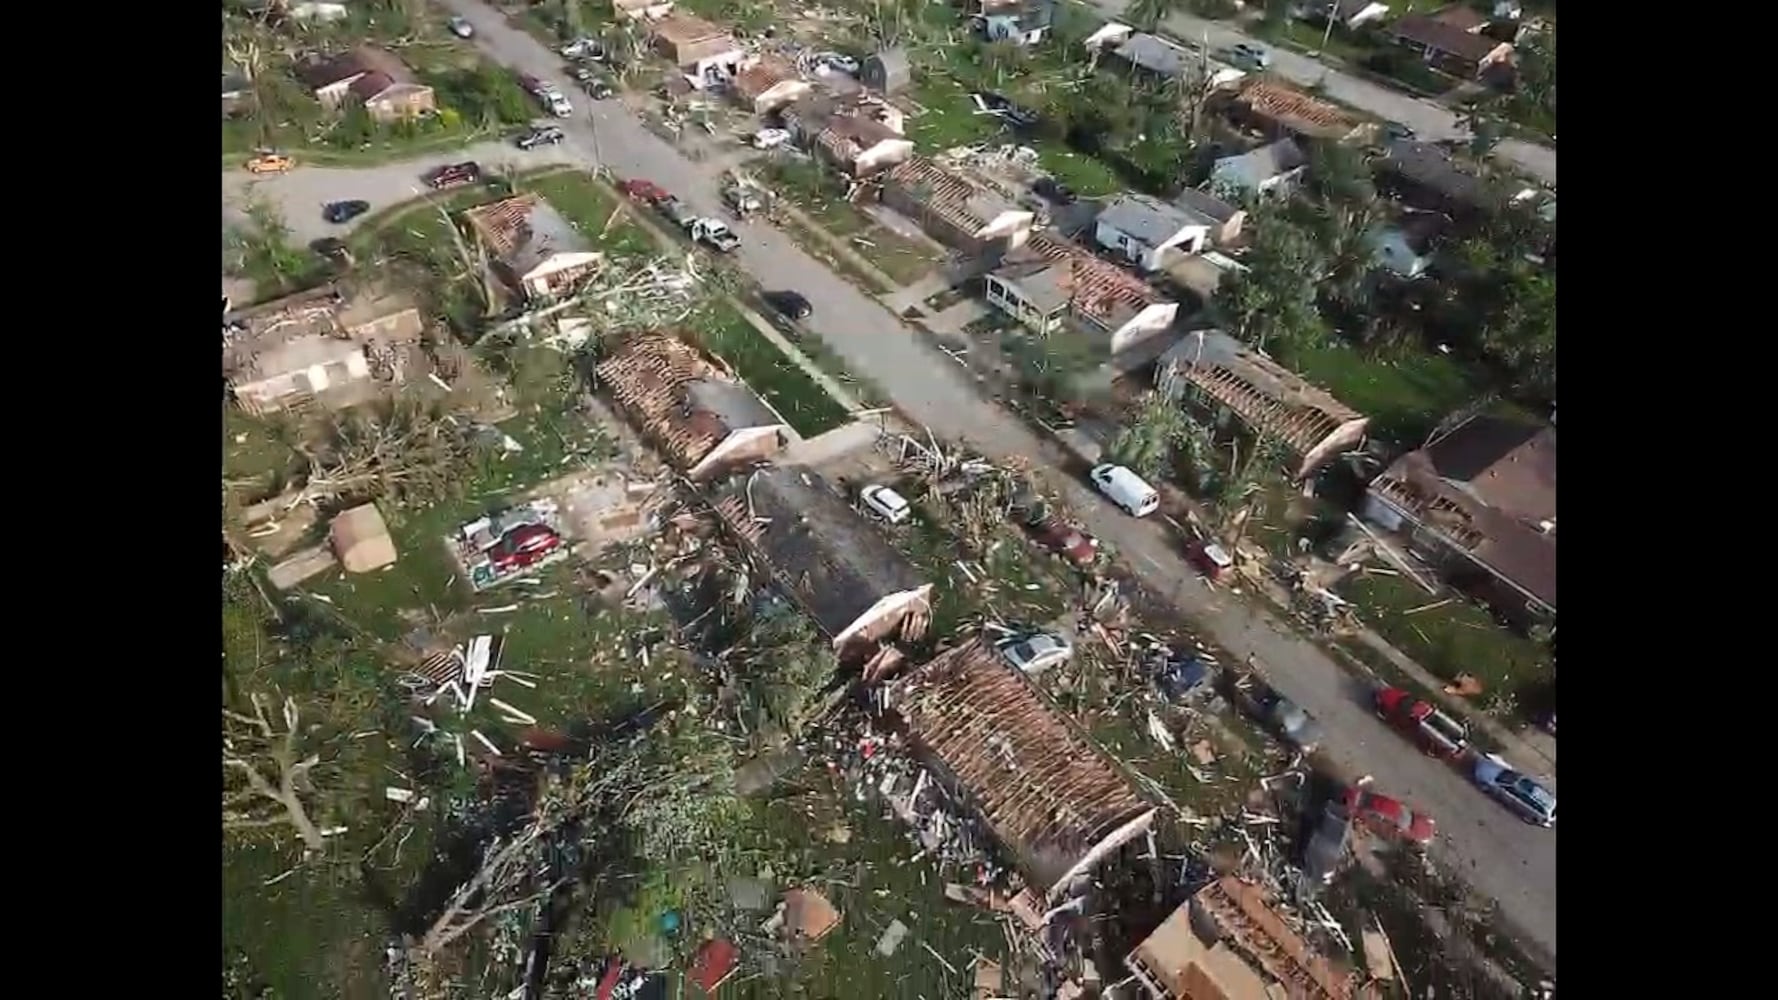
[[886, 71], [361, 539]]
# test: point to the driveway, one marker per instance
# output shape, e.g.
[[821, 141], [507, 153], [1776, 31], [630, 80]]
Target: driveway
[[1432, 120], [1502, 857]]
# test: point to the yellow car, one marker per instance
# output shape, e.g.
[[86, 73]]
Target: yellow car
[[270, 163]]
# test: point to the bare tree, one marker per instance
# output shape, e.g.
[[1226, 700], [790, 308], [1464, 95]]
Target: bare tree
[[249, 744]]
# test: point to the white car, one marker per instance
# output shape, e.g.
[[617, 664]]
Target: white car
[[461, 27], [1036, 653], [580, 47], [885, 503], [770, 138], [838, 60], [1126, 489]]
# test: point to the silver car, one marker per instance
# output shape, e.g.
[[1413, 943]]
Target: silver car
[[1036, 653], [1519, 792], [461, 27], [1249, 57]]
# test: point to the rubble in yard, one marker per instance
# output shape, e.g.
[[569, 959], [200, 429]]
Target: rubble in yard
[[1227, 940], [616, 296]]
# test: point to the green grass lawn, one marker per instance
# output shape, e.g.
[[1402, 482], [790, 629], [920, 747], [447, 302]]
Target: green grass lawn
[[252, 449], [949, 119], [821, 196], [1403, 397], [593, 209], [1459, 637], [799, 399]]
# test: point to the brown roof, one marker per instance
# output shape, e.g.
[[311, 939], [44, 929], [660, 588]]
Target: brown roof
[[1296, 110], [955, 199], [761, 75], [524, 231], [848, 136], [1257, 389], [1441, 36], [1487, 486], [678, 397], [679, 28], [358, 62], [1095, 288], [1460, 17], [1049, 793], [1251, 926]]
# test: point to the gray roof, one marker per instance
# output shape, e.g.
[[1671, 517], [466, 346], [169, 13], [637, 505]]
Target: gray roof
[[1434, 169], [549, 233], [1204, 208], [1157, 55], [1040, 281], [1270, 160], [833, 561], [1148, 219], [731, 402]]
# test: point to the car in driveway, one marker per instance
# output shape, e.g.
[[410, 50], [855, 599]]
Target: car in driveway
[[546, 135], [1521, 793], [340, 212], [454, 175], [1247, 56], [1389, 818], [1126, 489], [461, 27], [788, 304], [885, 503], [1033, 654]]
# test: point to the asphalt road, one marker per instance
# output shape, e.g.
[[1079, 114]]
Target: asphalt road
[[1432, 120], [1502, 857]]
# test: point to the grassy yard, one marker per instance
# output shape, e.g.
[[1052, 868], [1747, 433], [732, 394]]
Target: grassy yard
[[804, 404], [821, 196], [1404, 397], [949, 118], [1453, 638], [594, 210]]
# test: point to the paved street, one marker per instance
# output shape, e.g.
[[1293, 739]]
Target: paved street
[[1432, 120], [1501, 856]]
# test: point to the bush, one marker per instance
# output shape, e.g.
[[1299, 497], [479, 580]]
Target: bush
[[487, 96]]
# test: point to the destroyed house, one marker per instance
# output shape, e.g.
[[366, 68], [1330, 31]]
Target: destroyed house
[[953, 210], [767, 82], [825, 556], [1217, 370], [537, 251], [861, 145], [1228, 943], [1480, 502], [326, 345], [706, 421], [1284, 112], [1050, 795], [1153, 54], [694, 44], [1452, 40], [1047, 281], [1425, 176]]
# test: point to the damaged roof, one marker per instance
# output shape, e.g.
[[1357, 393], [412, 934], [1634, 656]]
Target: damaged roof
[[1490, 487], [1294, 110], [1253, 928], [313, 327], [361, 61], [1155, 54], [1146, 218], [524, 232], [761, 74], [1204, 208], [1263, 393], [1445, 32], [1049, 793], [849, 136], [956, 199], [1049, 270], [830, 559], [679, 397]]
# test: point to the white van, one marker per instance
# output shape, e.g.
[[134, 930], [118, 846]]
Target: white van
[[1126, 489]]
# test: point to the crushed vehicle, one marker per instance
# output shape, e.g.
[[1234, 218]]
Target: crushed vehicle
[[1066, 540], [546, 135], [505, 545], [741, 195], [1182, 678], [1329, 842], [836, 61], [582, 48], [454, 175], [715, 234], [1432, 730], [1006, 109], [1054, 190], [1036, 653], [1521, 793], [334, 249], [770, 138]]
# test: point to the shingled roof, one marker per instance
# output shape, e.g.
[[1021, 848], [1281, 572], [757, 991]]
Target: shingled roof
[[683, 401], [524, 231], [1052, 270], [1295, 111], [830, 559], [959, 201], [1047, 791]]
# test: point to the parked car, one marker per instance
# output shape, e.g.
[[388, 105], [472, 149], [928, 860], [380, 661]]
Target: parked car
[[646, 192], [1067, 541], [1126, 489], [1034, 654], [1054, 190], [1209, 558], [1397, 131], [523, 546], [270, 163], [1290, 721], [790, 305], [837, 60], [1431, 729], [715, 234], [1247, 56], [338, 212], [582, 48], [770, 138], [675, 211], [885, 503], [453, 175], [1329, 842], [1519, 792], [461, 27], [547, 135], [1389, 818]]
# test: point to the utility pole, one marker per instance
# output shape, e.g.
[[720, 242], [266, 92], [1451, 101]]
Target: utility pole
[[1333, 11]]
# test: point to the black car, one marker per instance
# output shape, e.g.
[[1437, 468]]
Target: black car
[[1006, 109], [1394, 131], [338, 212], [548, 135], [1054, 190], [790, 305]]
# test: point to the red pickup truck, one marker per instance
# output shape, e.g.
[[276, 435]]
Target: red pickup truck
[[1432, 730]]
